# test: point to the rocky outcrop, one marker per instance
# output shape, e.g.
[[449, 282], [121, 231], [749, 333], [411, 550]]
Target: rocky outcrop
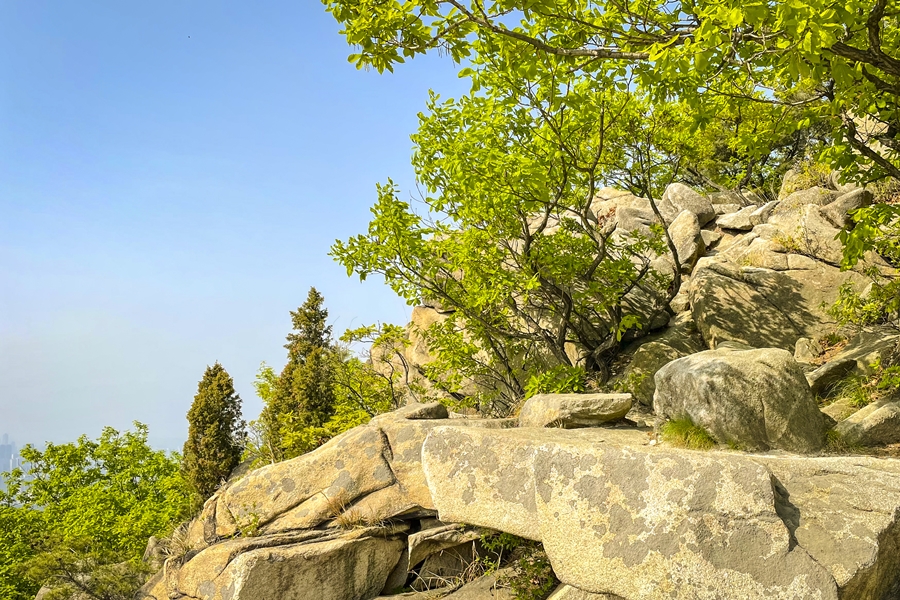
[[617, 515], [874, 425], [573, 410], [756, 399], [763, 307], [349, 567], [406, 499]]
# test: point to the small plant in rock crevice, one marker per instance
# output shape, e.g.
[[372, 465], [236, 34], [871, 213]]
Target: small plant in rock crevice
[[683, 433], [862, 390], [532, 576]]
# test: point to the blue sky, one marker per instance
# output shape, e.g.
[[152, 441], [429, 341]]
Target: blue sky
[[172, 175]]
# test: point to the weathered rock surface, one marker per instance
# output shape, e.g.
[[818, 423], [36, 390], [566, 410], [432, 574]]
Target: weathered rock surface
[[679, 197], [573, 410], [431, 541], [685, 234], [739, 220], [757, 399], [837, 211], [337, 569], [823, 379], [873, 425], [647, 360], [567, 592], [764, 307], [374, 470], [815, 195], [619, 516]]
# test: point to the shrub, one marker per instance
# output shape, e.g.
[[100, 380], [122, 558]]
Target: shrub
[[683, 433], [561, 379], [532, 575]]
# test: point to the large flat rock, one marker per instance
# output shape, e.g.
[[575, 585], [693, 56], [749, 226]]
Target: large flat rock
[[619, 516]]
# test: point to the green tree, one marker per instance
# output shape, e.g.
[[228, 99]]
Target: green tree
[[303, 395], [822, 61], [89, 504], [215, 432], [510, 244]]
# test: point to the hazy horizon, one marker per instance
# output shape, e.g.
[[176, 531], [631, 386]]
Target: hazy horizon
[[171, 178]]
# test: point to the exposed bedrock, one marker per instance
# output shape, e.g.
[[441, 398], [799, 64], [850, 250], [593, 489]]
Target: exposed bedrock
[[619, 516]]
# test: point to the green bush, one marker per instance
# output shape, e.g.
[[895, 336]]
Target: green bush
[[532, 575], [683, 433], [561, 379]]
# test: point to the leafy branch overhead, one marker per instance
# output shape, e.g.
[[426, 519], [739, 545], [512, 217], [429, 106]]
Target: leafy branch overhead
[[817, 61]]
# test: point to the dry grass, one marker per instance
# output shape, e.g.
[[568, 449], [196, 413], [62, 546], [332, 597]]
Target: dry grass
[[177, 544]]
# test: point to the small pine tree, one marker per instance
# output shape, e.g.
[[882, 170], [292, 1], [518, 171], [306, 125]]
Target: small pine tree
[[303, 396], [215, 433]]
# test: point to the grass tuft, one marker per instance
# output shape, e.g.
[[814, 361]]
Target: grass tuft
[[683, 433]]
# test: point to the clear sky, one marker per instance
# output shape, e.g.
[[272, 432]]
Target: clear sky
[[172, 174]]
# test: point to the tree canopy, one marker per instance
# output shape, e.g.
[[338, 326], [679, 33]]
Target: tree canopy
[[813, 62], [215, 432], [82, 505]]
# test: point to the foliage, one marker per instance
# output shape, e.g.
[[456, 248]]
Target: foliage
[[509, 244], [683, 433], [302, 397], [20, 528], [862, 390], [561, 379], [376, 384], [877, 228], [811, 63], [215, 433], [86, 504], [81, 568], [532, 575], [836, 444], [325, 388]]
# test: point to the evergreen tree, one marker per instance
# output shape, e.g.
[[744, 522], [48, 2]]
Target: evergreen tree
[[303, 396], [215, 433]]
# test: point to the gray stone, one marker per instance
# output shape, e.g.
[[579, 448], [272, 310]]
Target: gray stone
[[573, 410], [567, 592], [814, 195], [685, 234], [445, 567], [807, 350], [725, 209], [679, 197], [431, 541], [739, 220], [488, 587], [631, 219], [738, 197], [761, 214], [710, 238], [845, 512], [823, 379], [874, 425], [346, 568], [757, 399], [764, 307], [839, 410], [726, 307], [638, 376], [837, 211], [805, 230], [621, 517]]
